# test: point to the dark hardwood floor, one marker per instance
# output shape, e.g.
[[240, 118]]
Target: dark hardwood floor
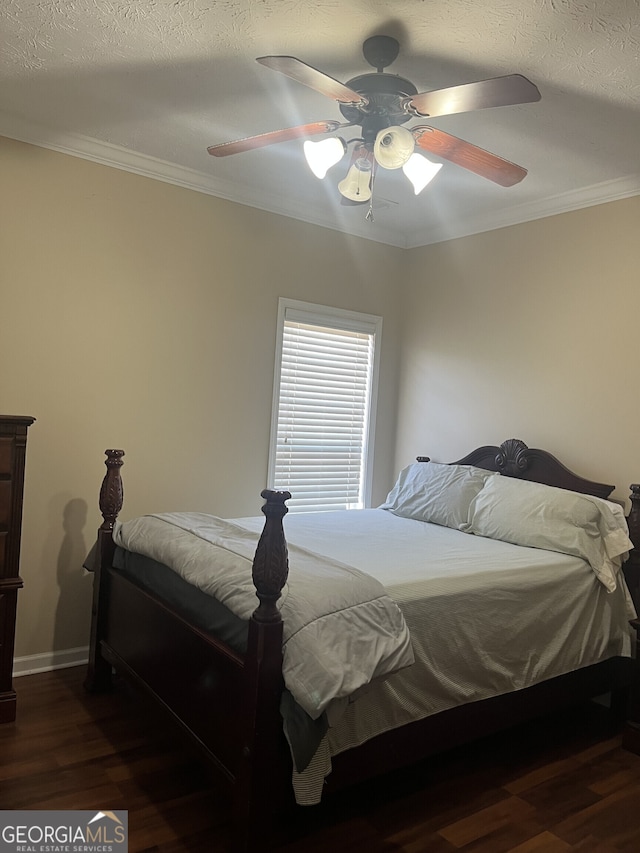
[[563, 784]]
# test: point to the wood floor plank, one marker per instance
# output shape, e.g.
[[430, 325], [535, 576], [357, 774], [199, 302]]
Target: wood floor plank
[[545, 842], [597, 750], [612, 820], [560, 796], [487, 821], [617, 780], [541, 775]]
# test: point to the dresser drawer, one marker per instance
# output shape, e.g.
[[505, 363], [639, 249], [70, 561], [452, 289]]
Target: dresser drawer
[[5, 503], [6, 455], [7, 629], [13, 446]]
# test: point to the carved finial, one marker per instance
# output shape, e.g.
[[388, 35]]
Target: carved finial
[[270, 564], [512, 458], [111, 492]]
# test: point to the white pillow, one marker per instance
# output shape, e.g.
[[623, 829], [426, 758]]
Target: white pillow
[[435, 492], [541, 516]]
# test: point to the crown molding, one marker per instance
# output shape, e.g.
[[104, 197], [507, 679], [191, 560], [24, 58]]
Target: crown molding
[[600, 193], [117, 157]]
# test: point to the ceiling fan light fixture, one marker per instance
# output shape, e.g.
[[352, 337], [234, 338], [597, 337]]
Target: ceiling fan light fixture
[[420, 171], [380, 104], [321, 156], [393, 147], [356, 186]]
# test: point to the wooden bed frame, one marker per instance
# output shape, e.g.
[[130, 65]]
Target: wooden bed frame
[[229, 704]]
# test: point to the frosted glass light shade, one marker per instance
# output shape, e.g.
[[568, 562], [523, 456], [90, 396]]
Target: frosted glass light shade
[[321, 156], [393, 147], [420, 171], [357, 184]]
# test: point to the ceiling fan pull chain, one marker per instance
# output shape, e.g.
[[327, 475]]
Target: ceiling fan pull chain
[[374, 172]]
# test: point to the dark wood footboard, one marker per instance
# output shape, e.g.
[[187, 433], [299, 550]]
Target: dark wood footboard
[[632, 566], [631, 735], [226, 703]]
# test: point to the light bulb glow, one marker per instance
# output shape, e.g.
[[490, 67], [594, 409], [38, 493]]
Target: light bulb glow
[[321, 156], [356, 186], [420, 171], [393, 147]]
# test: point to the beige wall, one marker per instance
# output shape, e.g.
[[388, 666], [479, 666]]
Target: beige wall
[[140, 315], [128, 305], [528, 332]]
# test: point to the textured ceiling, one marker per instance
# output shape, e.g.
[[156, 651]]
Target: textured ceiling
[[149, 85]]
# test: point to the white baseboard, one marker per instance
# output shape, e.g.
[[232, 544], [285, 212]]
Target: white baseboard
[[30, 664]]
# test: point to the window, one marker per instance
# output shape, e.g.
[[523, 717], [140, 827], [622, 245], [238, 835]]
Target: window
[[324, 398]]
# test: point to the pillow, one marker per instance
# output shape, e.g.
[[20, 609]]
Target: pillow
[[435, 492], [540, 516]]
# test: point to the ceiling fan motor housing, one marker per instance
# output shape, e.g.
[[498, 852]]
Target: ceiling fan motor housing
[[385, 94]]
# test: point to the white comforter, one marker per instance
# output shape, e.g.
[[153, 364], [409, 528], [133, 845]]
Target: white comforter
[[341, 629]]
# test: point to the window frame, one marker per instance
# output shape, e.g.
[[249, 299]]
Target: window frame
[[336, 318]]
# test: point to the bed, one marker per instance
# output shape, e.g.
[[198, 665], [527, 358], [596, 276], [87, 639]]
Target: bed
[[230, 684]]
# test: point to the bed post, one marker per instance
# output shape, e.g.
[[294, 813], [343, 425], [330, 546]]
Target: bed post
[[632, 566], [263, 777], [631, 734], [111, 498]]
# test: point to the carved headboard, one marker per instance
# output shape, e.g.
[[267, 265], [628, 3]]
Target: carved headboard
[[514, 459]]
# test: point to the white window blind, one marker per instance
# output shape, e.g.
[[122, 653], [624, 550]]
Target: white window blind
[[323, 411]]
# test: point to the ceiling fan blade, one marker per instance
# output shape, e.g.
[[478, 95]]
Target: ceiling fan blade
[[309, 76], [468, 156], [262, 139], [496, 92]]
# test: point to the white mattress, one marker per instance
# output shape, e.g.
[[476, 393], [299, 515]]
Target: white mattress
[[486, 617]]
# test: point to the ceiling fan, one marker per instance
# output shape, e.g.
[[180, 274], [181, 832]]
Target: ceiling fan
[[379, 104]]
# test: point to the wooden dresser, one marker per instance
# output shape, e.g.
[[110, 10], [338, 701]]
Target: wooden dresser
[[13, 446]]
